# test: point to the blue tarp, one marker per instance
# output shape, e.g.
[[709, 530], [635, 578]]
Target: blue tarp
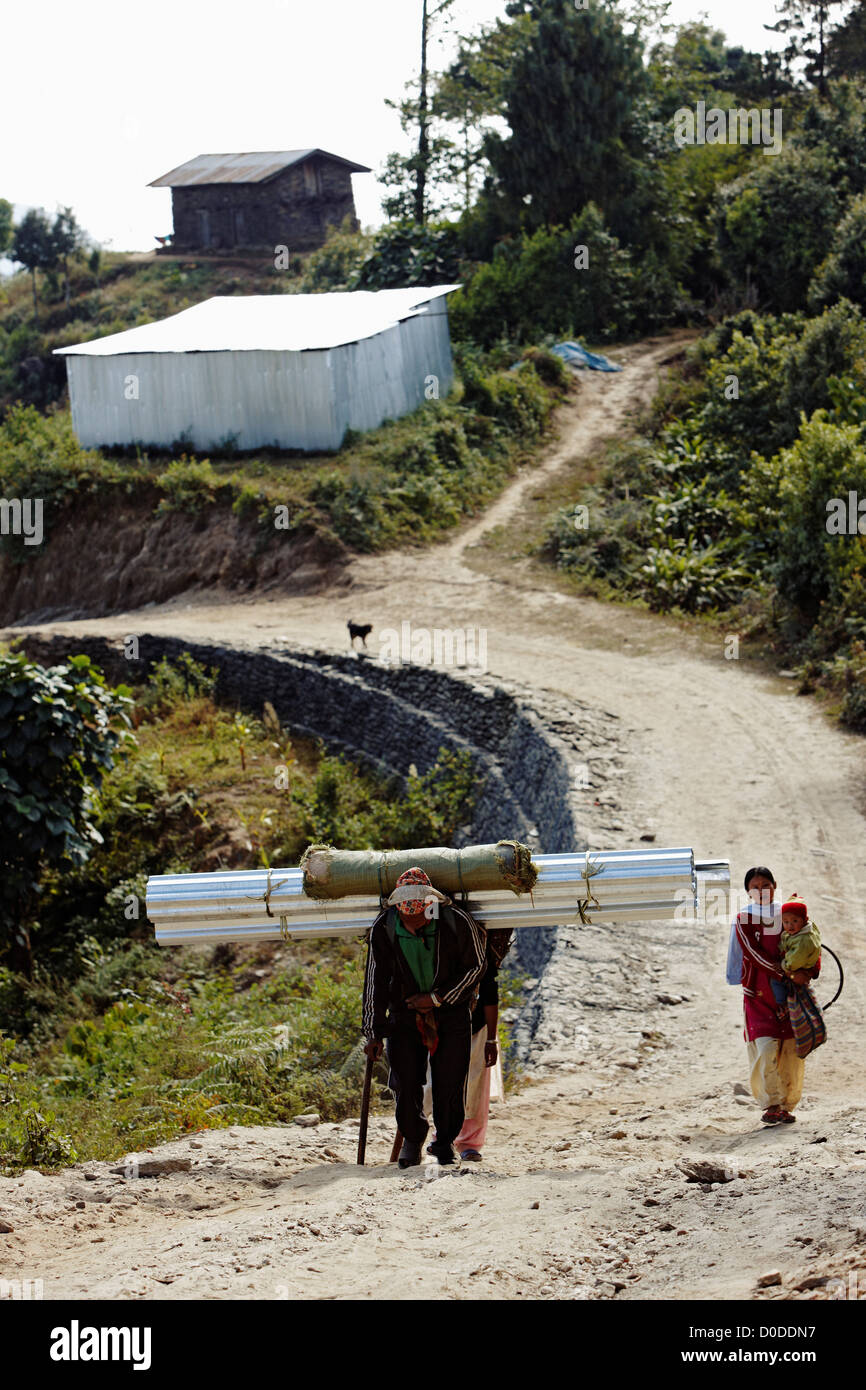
[[577, 356]]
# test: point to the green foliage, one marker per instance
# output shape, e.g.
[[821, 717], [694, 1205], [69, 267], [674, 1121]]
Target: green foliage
[[733, 504], [680, 573], [204, 1052], [774, 224], [33, 245], [337, 809], [404, 254], [570, 93], [782, 366], [5, 223], [438, 465], [849, 673], [842, 275], [41, 458], [188, 485], [28, 1138], [336, 265], [533, 287], [59, 730], [171, 682], [813, 564]]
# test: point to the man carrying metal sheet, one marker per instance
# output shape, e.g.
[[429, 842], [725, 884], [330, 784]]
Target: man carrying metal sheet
[[425, 958]]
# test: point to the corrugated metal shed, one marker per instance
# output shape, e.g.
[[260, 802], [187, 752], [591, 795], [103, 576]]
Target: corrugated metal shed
[[289, 371], [255, 166]]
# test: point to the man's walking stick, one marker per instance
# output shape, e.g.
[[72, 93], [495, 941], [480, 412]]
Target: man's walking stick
[[398, 1144], [365, 1111]]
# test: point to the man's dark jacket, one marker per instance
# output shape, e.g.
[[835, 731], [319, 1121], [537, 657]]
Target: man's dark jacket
[[388, 983]]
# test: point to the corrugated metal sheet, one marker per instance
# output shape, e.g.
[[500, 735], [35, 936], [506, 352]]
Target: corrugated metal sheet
[[268, 322], [643, 885], [251, 166], [144, 387]]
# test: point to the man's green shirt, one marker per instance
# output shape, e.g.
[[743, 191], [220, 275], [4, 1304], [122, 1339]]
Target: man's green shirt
[[419, 951]]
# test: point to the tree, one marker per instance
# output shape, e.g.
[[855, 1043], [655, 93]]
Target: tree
[[775, 223], [843, 274], [33, 247], [427, 16], [68, 240], [5, 224], [471, 94], [59, 729], [571, 98], [698, 65], [411, 175], [846, 46], [809, 24]]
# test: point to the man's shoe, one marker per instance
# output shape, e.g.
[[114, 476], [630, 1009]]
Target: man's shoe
[[444, 1152], [410, 1155], [470, 1156]]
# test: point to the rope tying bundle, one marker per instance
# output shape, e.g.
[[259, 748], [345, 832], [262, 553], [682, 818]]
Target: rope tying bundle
[[583, 904], [266, 896]]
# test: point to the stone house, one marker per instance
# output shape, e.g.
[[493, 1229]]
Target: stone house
[[277, 198]]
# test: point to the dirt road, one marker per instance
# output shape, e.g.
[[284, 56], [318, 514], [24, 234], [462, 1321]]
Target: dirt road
[[580, 1194]]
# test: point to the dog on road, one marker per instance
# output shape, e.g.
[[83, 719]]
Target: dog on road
[[359, 630]]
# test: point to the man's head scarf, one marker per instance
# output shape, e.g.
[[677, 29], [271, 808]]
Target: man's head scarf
[[406, 897]]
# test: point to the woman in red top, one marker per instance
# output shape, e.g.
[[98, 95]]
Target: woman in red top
[[776, 1072]]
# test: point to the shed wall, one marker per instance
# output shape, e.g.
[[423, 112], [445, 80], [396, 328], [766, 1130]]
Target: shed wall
[[255, 398], [292, 400]]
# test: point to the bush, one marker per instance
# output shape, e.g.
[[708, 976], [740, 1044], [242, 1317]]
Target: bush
[[336, 809], [188, 484], [814, 565], [774, 223], [531, 287], [59, 730], [683, 574], [170, 682], [405, 254], [337, 264], [41, 458], [842, 275], [850, 671]]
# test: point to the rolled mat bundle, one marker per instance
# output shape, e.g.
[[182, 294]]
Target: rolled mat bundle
[[267, 904], [340, 873]]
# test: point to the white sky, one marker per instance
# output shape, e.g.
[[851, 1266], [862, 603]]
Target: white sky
[[126, 93]]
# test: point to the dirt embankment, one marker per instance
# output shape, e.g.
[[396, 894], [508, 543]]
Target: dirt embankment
[[637, 1064], [102, 559]]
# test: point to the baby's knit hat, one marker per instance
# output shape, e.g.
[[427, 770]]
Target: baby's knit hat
[[796, 905]]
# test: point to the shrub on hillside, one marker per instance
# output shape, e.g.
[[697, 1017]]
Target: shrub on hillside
[[774, 223], [531, 287], [188, 484], [60, 728], [405, 254], [41, 458], [336, 265], [842, 275], [814, 565]]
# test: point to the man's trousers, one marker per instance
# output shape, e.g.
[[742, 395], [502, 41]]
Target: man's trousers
[[449, 1066]]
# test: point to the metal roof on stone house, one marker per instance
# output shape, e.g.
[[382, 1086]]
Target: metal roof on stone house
[[247, 167]]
